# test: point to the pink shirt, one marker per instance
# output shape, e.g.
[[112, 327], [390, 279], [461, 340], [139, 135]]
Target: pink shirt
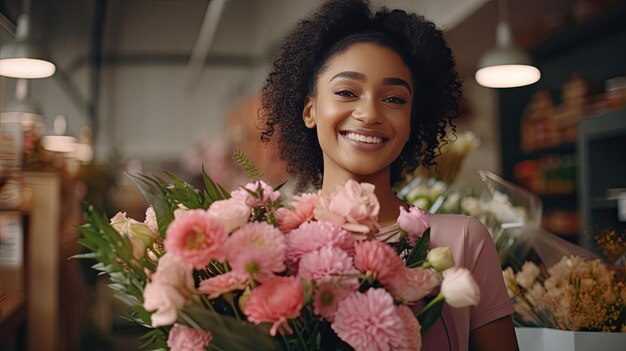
[[473, 248]]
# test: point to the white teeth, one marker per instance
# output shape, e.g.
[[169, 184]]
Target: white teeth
[[364, 139]]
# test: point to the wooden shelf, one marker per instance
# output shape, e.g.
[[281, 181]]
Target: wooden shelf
[[569, 148]]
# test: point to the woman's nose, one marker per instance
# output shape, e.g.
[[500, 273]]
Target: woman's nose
[[367, 112]]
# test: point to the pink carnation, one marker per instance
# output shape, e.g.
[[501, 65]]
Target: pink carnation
[[414, 223], [232, 213], [330, 293], [412, 284], [410, 338], [275, 301], [264, 191], [303, 208], [377, 259], [354, 207], [312, 236], [324, 263], [183, 338], [196, 238], [368, 321], [257, 249], [222, 284]]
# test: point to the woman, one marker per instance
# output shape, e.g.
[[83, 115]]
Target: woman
[[356, 95]]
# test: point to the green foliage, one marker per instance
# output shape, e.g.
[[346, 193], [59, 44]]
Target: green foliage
[[418, 254], [114, 254], [228, 332], [244, 162], [430, 315]]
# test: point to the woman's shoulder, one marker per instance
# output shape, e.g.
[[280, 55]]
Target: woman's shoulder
[[460, 233]]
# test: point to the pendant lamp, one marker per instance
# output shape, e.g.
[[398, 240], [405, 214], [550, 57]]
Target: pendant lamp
[[505, 65], [24, 57]]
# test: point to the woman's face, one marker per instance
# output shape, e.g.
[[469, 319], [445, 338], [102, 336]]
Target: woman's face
[[361, 109]]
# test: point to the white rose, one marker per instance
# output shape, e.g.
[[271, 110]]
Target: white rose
[[459, 288]]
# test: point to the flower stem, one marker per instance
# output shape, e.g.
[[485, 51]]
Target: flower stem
[[419, 263], [433, 302]]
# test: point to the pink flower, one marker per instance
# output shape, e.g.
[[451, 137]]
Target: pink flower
[[354, 207], [324, 263], [151, 220], [232, 213], [257, 249], [312, 236], [139, 234], [330, 293], [275, 301], [264, 192], [196, 238], [172, 271], [377, 259], [368, 321], [410, 338], [222, 284], [414, 223], [303, 208], [459, 288], [412, 284], [171, 288], [183, 338]]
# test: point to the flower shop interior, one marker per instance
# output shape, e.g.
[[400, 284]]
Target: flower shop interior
[[142, 86]]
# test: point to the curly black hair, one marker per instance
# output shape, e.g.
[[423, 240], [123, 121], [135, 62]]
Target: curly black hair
[[335, 26]]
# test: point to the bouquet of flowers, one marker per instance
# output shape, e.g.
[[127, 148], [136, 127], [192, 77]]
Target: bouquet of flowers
[[242, 270], [574, 294]]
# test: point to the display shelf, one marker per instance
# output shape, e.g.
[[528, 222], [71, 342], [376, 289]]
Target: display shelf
[[596, 51], [602, 166]]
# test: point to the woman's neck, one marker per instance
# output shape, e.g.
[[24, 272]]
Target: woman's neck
[[389, 202]]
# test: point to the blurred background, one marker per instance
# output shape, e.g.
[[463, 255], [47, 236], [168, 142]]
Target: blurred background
[[147, 85]]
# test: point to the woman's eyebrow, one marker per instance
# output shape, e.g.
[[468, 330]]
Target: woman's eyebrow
[[349, 74], [397, 81]]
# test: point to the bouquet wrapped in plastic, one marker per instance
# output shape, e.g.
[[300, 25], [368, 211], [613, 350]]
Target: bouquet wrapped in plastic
[[242, 270]]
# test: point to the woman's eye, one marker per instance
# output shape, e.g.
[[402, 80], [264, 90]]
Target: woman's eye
[[395, 100], [345, 93]]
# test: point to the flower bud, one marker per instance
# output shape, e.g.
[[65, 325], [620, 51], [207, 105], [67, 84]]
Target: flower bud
[[459, 288], [440, 258]]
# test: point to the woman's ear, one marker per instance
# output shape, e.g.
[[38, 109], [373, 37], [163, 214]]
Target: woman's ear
[[308, 114]]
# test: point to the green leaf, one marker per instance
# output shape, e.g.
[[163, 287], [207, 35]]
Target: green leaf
[[244, 162], [213, 191], [154, 192], [85, 255], [228, 332], [420, 250], [429, 317]]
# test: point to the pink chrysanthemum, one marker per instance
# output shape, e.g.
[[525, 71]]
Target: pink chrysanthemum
[[377, 259], [222, 284], [275, 301], [330, 293], [183, 338], [413, 283], [257, 249], [368, 321], [312, 236], [410, 338], [196, 238], [303, 208], [324, 263]]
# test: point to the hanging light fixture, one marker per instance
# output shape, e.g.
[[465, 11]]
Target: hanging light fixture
[[505, 66], [24, 57]]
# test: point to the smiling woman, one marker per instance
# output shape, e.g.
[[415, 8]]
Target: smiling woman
[[362, 96]]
